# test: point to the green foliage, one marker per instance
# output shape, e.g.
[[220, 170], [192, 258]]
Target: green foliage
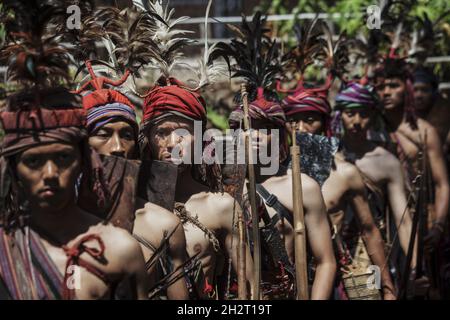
[[353, 11], [218, 121], [2, 28], [353, 20]]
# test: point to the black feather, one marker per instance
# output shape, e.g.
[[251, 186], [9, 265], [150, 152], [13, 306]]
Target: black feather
[[255, 54], [34, 55]]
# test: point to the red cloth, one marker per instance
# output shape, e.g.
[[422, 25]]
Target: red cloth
[[26, 129], [104, 96], [42, 119], [164, 99]]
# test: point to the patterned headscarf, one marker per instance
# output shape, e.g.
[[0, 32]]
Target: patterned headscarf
[[174, 99], [354, 95], [309, 100], [263, 109], [106, 105]]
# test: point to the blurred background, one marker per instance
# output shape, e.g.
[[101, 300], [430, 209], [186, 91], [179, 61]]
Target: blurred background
[[349, 16]]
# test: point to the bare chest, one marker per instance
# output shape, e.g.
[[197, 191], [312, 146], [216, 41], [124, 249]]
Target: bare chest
[[86, 285], [334, 190], [409, 142], [373, 169], [201, 230]]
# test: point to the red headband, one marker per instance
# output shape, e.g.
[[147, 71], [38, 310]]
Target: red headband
[[174, 98]]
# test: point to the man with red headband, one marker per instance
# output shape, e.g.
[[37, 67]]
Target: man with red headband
[[170, 113], [44, 152], [415, 139], [268, 115], [50, 247], [344, 186], [113, 131]]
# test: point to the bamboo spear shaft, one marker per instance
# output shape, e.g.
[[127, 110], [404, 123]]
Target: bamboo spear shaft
[[241, 256], [299, 222], [252, 198]]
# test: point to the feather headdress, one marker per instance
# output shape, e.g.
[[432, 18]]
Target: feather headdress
[[425, 36], [34, 56], [211, 70], [315, 43], [42, 111], [168, 40], [127, 37], [256, 57]]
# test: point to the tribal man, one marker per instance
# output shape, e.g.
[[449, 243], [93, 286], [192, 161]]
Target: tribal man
[[357, 110], [267, 123], [51, 248], [170, 112], [412, 137], [429, 103], [344, 186], [113, 131]]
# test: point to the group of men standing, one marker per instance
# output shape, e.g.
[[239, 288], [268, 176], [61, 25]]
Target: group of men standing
[[82, 216]]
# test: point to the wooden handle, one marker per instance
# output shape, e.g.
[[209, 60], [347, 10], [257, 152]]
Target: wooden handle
[[301, 273], [252, 197]]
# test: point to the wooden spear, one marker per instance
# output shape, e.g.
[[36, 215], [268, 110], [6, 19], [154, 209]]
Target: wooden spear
[[252, 198], [241, 257], [299, 221]]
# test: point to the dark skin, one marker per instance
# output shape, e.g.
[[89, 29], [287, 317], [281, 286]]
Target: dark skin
[[117, 138], [308, 121], [378, 164], [432, 106], [423, 95], [47, 175], [318, 229], [393, 94], [382, 167], [214, 210], [49, 178], [345, 187], [114, 139]]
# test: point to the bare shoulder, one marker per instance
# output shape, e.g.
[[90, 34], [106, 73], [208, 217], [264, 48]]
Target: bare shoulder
[[278, 183], [309, 185], [312, 194], [389, 166], [385, 159], [346, 169], [154, 215], [423, 125], [430, 131], [214, 209], [281, 186], [222, 201], [119, 244], [351, 174]]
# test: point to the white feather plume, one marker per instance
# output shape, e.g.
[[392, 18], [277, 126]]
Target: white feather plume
[[170, 39], [210, 70]]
